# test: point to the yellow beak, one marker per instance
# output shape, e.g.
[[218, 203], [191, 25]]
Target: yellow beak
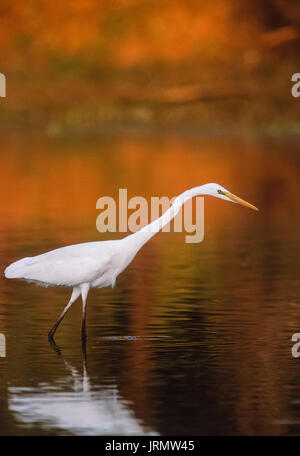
[[238, 200]]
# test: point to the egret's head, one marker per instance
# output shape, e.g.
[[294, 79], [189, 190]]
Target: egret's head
[[221, 192]]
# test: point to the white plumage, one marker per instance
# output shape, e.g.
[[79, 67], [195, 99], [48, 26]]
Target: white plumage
[[97, 264], [67, 266]]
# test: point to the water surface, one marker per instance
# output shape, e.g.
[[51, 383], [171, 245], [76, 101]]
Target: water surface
[[194, 338]]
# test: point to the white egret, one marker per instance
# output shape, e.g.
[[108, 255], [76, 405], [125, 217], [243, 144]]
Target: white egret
[[97, 264]]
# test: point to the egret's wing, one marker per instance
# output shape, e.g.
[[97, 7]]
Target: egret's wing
[[62, 272], [68, 266]]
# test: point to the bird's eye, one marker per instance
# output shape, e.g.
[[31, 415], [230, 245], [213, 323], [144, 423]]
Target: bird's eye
[[220, 192]]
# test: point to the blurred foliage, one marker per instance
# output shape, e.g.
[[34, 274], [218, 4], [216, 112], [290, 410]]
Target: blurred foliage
[[80, 63]]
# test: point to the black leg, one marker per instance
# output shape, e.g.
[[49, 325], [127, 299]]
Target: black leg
[[83, 330], [51, 333], [75, 294], [84, 292]]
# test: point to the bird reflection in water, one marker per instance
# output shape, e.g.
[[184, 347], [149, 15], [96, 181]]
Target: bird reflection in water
[[78, 412]]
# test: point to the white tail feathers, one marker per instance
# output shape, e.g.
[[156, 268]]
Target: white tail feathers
[[17, 269]]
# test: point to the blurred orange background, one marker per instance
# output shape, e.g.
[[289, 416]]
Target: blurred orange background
[[79, 64]]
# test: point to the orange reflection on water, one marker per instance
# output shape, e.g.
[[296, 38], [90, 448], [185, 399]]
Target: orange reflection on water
[[226, 306], [60, 182]]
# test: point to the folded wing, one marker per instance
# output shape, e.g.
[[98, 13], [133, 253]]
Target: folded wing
[[68, 266]]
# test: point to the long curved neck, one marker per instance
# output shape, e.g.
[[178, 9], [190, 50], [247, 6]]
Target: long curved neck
[[138, 239]]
